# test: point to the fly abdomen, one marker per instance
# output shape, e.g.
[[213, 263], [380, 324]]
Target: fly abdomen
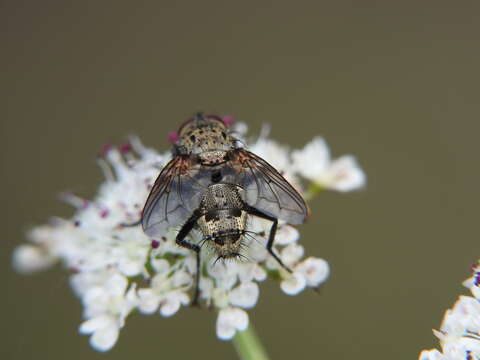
[[216, 221]]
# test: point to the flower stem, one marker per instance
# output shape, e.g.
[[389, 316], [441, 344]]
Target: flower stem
[[313, 189], [248, 345]]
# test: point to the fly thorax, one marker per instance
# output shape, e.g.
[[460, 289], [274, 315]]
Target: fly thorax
[[212, 157], [222, 196]]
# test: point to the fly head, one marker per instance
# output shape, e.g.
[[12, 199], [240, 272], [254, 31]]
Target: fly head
[[206, 136]]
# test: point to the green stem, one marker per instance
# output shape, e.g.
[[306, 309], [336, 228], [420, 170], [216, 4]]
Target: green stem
[[248, 345], [313, 189]]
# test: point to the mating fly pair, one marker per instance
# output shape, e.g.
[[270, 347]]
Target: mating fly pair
[[213, 185]]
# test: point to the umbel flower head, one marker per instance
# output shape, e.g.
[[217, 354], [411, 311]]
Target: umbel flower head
[[459, 334], [116, 269]]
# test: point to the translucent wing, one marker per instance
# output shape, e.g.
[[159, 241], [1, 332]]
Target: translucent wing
[[176, 194], [267, 190]]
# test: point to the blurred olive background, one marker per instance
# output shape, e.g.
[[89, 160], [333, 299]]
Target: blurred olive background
[[394, 83]]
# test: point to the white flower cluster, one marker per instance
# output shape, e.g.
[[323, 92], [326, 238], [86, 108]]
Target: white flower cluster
[[118, 269], [459, 334]]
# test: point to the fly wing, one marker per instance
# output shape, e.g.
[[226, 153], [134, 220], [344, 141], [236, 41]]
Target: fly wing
[[176, 194], [267, 190]]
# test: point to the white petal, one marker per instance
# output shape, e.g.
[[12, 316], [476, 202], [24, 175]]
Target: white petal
[[104, 339], [206, 288], [463, 317], [224, 331], [294, 284], [148, 301], [96, 301], [181, 278], [160, 282], [131, 296], [169, 307], [251, 271], [240, 129], [315, 270], [431, 355], [313, 159], [460, 347], [291, 253], [171, 304], [272, 152], [28, 259], [245, 295], [128, 303], [343, 175], [91, 325], [469, 282], [85, 281], [259, 274], [230, 320], [190, 264], [160, 266], [151, 156], [245, 273], [220, 297], [116, 285], [476, 292], [225, 274], [131, 267], [286, 235]]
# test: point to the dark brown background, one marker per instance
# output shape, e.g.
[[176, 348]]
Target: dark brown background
[[395, 83]]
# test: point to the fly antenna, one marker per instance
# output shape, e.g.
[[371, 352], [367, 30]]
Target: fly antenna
[[199, 116]]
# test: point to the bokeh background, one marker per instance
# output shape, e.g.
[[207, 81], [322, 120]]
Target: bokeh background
[[394, 82]]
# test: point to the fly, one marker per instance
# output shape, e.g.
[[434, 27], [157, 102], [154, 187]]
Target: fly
[[213, 185]]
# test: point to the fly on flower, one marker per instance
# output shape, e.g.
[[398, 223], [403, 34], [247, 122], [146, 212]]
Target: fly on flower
[[212, 184], [214, 190]]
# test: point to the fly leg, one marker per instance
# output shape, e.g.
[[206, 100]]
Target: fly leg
[[181, 241], [271, 236]]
